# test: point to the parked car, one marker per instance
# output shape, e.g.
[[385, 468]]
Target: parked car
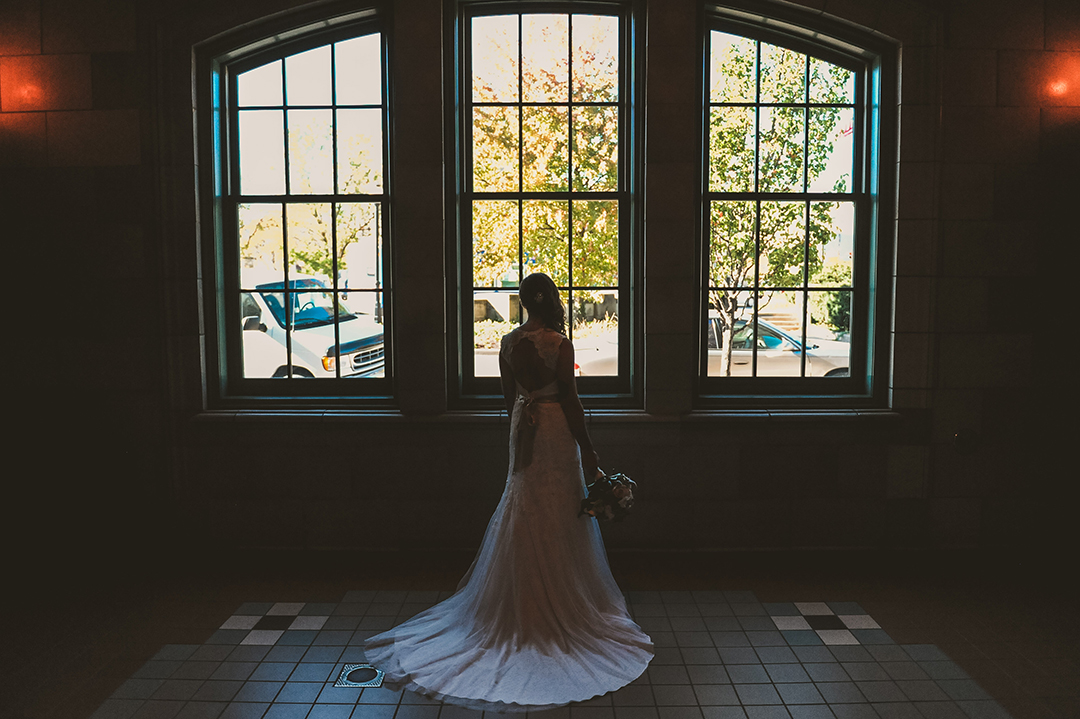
[[263, 320], [778, 353]]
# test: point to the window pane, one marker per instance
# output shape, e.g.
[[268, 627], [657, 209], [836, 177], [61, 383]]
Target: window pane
[[494, 314], [782, 244], [595, 58], [544, 57], [361, 350], [781, 147], [832, 239], [261, 86], [261, 338], [495, 243], [596, 243], [831, 83], [545, 239], [779, 334], [311, 159], [596, 149], [831, 149], [495, 149], [783, 74], [260, 239], [733, 62], [262, 152], [730, 312], [360, 249], [596, 332], [358, 70], [830, 330], [310, 239], [731, 243], [307, 77], [544, 157], [360, 150], [495, 58], [731, 149]]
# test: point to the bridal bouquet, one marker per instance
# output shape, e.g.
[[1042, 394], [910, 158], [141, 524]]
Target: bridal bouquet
[[610, 497]]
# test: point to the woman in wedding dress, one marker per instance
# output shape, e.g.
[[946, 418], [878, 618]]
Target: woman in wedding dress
[[538, 621]]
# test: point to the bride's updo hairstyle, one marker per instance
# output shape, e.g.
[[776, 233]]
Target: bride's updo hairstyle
[[541, 298]]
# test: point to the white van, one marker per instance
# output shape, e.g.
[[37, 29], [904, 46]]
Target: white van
[[264, 343]]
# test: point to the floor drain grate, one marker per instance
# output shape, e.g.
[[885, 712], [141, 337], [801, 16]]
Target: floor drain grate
[[359, 675]]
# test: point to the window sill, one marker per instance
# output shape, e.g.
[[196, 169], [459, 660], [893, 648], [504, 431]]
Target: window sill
[[605, 416]]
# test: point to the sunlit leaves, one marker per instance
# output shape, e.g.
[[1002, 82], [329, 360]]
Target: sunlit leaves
[[495, 149], [595, 59], [494, 241], [596, 148]]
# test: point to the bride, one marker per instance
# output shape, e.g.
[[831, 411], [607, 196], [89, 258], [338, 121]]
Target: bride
[[538, 621]]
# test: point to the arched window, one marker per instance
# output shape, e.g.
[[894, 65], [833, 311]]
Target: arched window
[[300, 128], [790, 213], [545, 181]]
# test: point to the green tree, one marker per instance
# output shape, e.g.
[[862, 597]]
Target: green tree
[[560, 152], [767, 238]]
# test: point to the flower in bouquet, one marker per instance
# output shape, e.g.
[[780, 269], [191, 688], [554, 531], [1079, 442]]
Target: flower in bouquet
[[610, 497]]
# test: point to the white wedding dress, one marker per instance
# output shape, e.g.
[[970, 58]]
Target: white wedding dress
[[538, 621]]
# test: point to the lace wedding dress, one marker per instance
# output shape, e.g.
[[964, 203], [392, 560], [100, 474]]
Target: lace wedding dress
[[538, 621]]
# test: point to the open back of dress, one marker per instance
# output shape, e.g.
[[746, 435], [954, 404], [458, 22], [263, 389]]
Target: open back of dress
[[537, 621]]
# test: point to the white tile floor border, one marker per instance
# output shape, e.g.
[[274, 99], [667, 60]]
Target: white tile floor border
[[718, 655]]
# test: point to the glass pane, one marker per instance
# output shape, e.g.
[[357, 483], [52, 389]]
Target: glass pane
[[495, 149], [596, 149], [596, 243], [733, 63], [596, 333], [361, 352], [545, 239], [307, 77], [260, 240], [595, 62], [262, 152], [783, 74], [360, 249], [310, 242], [832, 240], [730, 311], [831, 149], [358, 70], [359, 137], [778, 339], [831, 83], [261, 86], [782, 244], [781, 136], [830, 330], [495, 58], [311, 157], [262, 338], [544, 156], [495, 243], [731, 244], [731, 149], [544, 58], [495, 313]]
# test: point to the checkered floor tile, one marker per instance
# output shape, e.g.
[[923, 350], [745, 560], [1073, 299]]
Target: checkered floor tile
[[719, 655]]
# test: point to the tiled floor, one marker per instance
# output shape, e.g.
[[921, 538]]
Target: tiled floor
[[807, 638], [719, 655]]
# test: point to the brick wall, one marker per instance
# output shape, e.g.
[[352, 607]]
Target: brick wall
[[98, 156]]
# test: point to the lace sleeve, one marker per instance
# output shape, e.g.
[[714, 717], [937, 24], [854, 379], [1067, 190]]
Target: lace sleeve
[[547, 346]]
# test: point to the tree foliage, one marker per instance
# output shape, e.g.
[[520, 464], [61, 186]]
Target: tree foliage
[[553, 149]]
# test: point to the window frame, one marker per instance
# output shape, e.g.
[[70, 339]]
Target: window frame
[[218, 64], [625, 389], [875, 62]]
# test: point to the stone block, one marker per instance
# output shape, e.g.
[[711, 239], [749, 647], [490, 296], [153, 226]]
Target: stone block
[[917, 196], [88, 25], [918, 132], [94, 137], [45, 82], [1018, 192], [991, 134], [1062, 25], [911, 310], [967, 191], [22, 139], [984, 360], [915, 245], [1033, 78], [963, 304], [908, 471], [20, 27], [969, 77], [994, 24], [119, 80], [910, 360]]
